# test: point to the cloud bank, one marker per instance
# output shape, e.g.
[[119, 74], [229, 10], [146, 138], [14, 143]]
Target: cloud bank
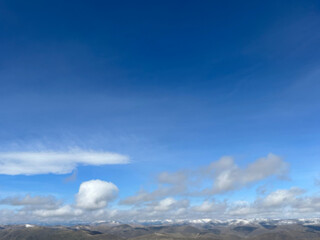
[[179, 195], [31, 163], [281, 203]]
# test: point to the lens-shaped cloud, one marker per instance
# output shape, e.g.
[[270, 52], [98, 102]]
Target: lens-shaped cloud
[[32, 163]]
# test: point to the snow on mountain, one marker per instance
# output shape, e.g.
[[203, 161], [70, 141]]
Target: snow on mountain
[[232, 222]]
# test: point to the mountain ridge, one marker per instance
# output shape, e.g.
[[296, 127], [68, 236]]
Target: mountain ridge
[[233, 229]]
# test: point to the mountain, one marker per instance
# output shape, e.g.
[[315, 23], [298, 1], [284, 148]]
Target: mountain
[[293, 229]]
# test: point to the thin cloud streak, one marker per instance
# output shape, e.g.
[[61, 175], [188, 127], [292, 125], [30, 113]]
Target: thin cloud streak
[[45, 162]]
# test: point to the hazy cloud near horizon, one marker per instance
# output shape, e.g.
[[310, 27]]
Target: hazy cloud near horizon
[[173, 198], [282, 203]]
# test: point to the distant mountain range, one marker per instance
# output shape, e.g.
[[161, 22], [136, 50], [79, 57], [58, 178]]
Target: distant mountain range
[[202, 229]]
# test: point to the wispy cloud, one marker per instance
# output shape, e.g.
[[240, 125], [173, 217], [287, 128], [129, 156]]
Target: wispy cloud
[[228, 176], [225, 175], [44, 162], [32, 202]]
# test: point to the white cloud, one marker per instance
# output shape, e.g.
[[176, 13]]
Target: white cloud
[[225, 173], [95, 194], [31, 163], [161, 208], [228, 176], [165, 204], [206, 206], [63, 211], [89, 204], [281, 197], [209, 206], [282, 203]]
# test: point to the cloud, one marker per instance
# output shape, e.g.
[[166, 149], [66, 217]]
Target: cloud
[[29, 201], [228, 176], [225, 175], [209, 206], [174, 197], [281, 197], [172, 178], [31, 163], [164, 207], [72, 177], [170, 184], [95, 194], [165, 204], [63, 211], [307, 205], [143, 196], [281, 203], [90, 202]]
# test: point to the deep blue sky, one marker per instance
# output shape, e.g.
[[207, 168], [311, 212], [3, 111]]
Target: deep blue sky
[[172, 84]]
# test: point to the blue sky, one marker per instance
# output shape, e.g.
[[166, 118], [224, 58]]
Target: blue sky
[[171, 86]]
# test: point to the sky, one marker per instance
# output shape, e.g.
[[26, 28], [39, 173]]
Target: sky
[[152, 110]]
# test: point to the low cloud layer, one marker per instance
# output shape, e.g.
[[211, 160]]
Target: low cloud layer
[[31, 163], [281, 203], [185, 194], [91, 200]]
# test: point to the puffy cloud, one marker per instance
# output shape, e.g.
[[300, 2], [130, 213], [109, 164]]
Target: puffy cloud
[[165, 202], [31, 163], [89, 204], [95, 194]]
